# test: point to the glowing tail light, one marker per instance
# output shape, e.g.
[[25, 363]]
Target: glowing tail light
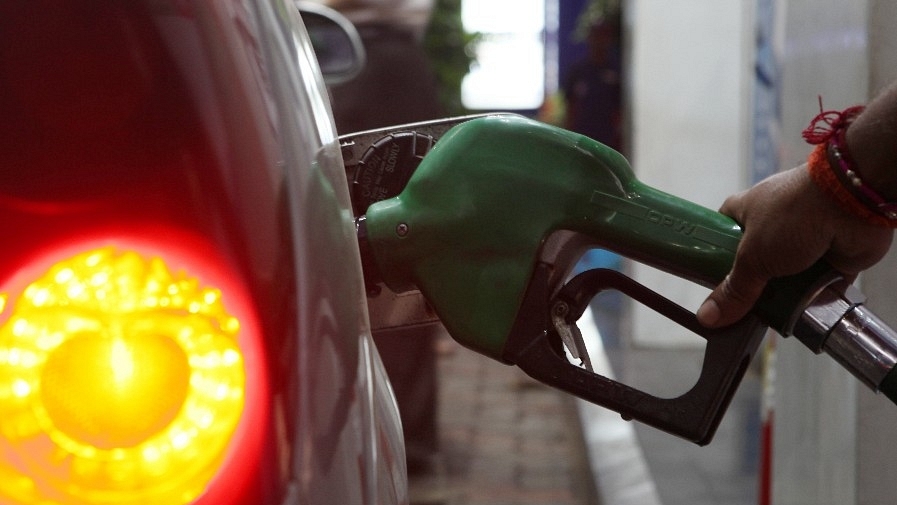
[[127, 376]]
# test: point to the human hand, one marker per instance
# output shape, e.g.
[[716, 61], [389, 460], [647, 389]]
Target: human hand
[[789, 224]]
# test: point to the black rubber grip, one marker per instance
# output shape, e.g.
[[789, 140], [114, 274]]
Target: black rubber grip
[[889, 385]]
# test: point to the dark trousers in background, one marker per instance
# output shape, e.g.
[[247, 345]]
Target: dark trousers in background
[[396, 86]]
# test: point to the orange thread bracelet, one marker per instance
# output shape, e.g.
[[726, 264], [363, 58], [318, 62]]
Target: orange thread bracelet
[[822, 174], [833, 172]]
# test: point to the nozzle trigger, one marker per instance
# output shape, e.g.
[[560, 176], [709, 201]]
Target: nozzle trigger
[[535, 345], [570, 333]]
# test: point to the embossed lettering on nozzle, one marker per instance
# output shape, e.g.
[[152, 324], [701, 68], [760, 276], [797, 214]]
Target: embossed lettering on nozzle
[[840, 325]]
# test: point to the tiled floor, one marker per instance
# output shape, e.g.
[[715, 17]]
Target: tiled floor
[[505, 439]]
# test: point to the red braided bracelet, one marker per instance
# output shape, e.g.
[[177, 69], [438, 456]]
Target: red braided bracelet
[[832, 169]]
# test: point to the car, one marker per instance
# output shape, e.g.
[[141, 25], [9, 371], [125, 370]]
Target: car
[[182, 307]]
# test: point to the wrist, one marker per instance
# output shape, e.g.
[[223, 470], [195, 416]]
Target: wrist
[[835, 170], [877, 161]]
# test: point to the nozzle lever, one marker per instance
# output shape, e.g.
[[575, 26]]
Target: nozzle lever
[[535, 347]]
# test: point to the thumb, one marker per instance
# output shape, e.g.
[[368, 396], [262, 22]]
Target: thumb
[[731, 300]]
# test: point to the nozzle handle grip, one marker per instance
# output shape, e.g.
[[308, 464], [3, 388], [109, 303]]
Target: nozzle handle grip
[[694, 415]]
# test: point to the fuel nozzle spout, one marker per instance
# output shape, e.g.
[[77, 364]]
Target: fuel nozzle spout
[[838, 323]]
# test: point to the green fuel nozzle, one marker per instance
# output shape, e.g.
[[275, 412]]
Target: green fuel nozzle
[[486, 217], [472, 221]]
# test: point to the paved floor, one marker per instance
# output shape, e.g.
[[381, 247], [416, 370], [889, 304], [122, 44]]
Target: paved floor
[[507, 440]]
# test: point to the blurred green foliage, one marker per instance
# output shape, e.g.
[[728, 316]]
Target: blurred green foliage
[[594, 12], [451, 50]]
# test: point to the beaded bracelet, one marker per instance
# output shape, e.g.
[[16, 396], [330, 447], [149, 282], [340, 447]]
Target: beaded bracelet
[[832, 169], [839, 157]]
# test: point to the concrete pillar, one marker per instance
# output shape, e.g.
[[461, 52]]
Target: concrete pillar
[[688, 107]]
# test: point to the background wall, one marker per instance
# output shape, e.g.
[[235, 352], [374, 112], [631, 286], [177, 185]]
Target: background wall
[[689, 101]]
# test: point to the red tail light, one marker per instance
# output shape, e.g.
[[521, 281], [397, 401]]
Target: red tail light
[[132, 369], [127, 371]]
